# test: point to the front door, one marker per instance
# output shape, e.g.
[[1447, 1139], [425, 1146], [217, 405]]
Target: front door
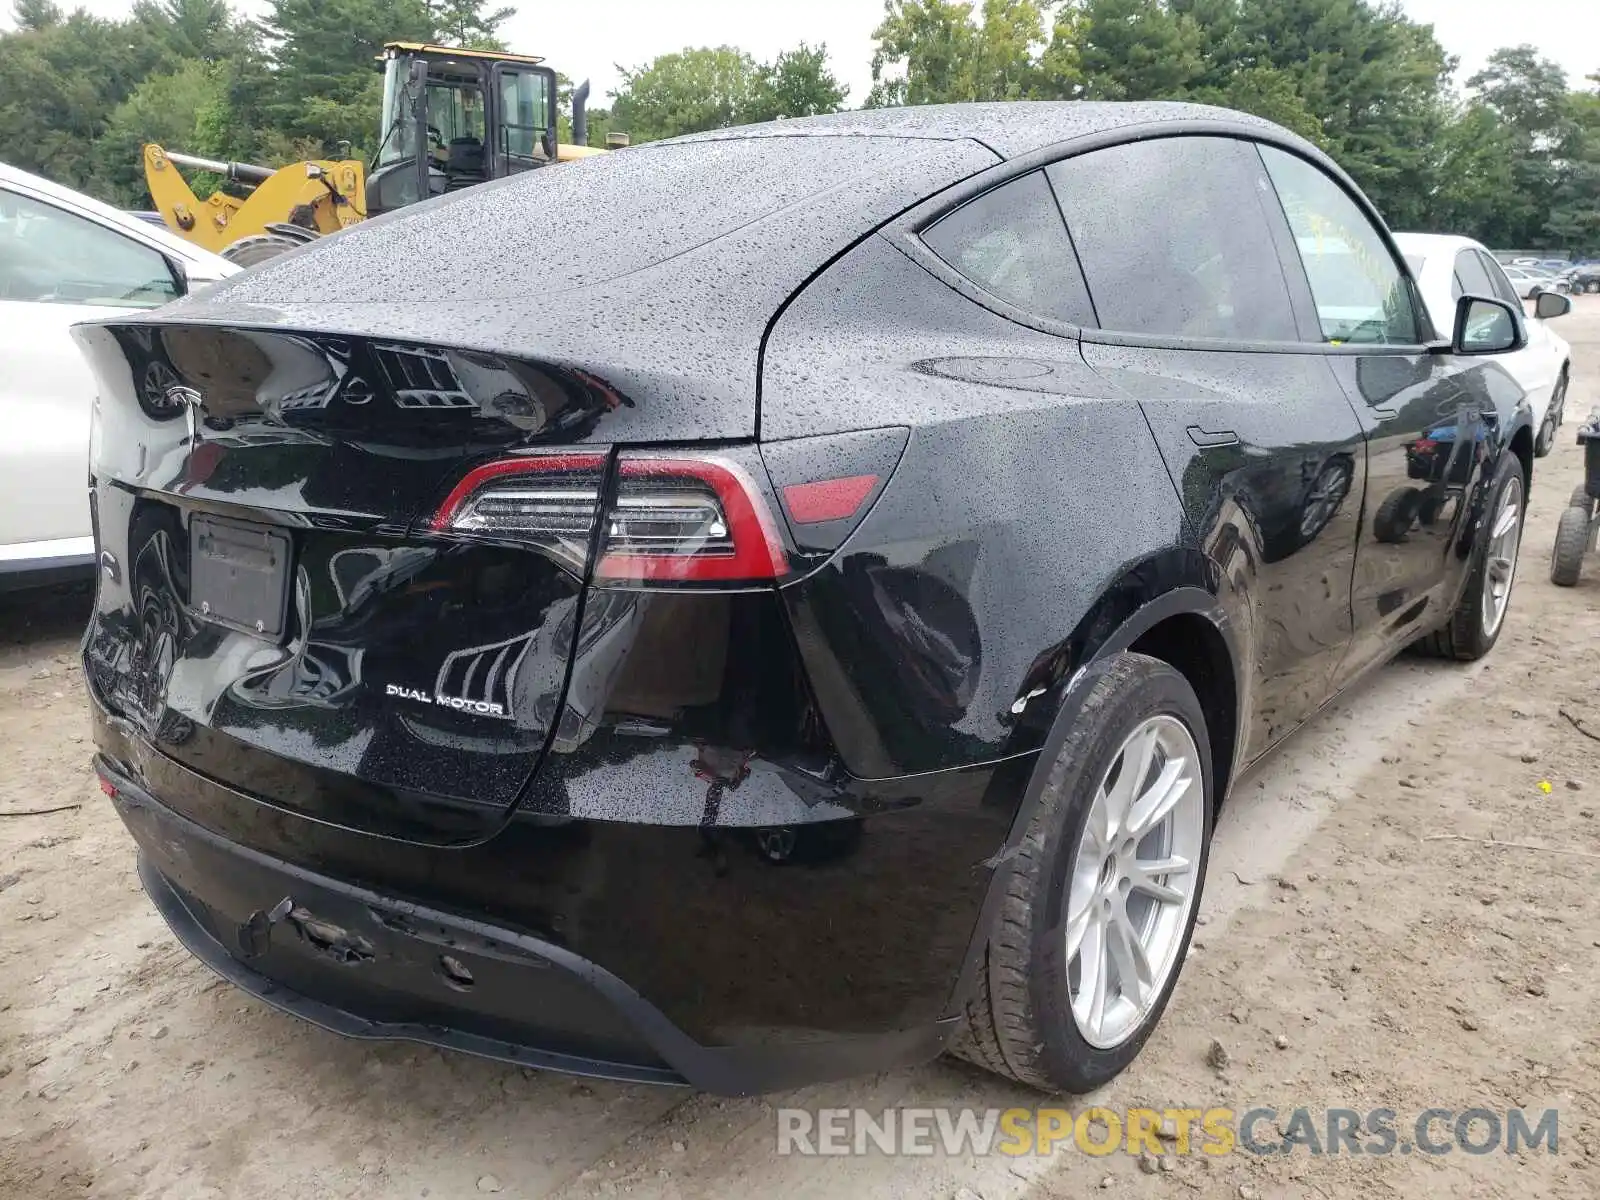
[[1427, 416]]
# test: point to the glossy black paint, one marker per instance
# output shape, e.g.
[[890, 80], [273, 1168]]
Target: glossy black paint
[[742, 836]]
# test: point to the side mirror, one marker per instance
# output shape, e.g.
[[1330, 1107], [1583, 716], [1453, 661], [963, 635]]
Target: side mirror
[[1551, 305], [1486, 326]]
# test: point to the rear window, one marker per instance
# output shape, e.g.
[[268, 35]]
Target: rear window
[[1012, 243]]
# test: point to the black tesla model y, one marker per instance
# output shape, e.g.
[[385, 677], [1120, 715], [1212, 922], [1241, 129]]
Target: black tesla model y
[[781, 603]]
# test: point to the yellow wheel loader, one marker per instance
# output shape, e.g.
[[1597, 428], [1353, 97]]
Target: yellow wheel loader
[[451, 118]]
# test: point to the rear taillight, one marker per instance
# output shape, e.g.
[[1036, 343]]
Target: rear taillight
[[672, 518], [546, 500], [688, 519]]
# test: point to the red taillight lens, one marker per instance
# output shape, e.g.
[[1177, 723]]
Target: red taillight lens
[[688, 519], [673, 518], [548, 500]]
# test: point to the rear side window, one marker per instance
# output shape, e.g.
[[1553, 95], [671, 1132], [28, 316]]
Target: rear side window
[[1011, 243], [1360, 292], [1498, 281], [1175, 240], [1471, 279]]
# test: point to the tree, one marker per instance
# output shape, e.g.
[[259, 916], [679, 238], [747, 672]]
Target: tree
[[1477, 191], [934, 51], [697, 89], [184, 110], [61, 83], [685, 92], [32, 15], [798, 83], [1528, 95], [327, 85], [464, 23], [1138, 50], [1574, 220]]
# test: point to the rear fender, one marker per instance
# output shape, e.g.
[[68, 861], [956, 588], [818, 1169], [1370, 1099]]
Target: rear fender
[[1059, 705]]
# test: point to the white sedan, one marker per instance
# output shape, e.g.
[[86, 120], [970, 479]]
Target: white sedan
[[65, 258], [1446, 268], [1530, 281]]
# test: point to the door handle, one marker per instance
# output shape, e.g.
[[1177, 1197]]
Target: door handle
[[1383, 414], [1208, 439]]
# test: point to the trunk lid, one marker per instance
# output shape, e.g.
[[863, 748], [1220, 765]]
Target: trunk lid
[[274, 612]]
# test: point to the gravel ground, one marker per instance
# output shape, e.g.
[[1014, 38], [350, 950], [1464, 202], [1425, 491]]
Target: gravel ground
[[1362, 948]]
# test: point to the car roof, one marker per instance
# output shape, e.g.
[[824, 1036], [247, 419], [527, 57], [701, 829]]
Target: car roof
[[1010, 129], [1427, 244], [107, 215]]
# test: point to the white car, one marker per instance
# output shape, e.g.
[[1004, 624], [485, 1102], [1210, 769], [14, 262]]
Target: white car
[[65, 258], [1530, 281], [1446, 268]]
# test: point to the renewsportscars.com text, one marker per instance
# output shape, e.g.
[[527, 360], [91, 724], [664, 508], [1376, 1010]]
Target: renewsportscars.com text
[[1212, 1131]]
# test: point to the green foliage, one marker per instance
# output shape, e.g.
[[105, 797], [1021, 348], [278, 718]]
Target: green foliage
[[463, 23], [326, 81], [35, 14], [797, 84], [938, 51], [698, 89]]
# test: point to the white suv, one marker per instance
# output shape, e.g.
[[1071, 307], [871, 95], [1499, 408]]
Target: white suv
[[1446, 268], [65, 258]]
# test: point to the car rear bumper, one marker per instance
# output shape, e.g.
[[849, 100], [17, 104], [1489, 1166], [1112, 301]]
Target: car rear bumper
[[367, 965]]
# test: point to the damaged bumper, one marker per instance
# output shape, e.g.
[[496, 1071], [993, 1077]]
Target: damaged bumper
[[366, 965]]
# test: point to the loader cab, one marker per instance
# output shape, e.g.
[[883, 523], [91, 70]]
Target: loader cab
[[453, 118]]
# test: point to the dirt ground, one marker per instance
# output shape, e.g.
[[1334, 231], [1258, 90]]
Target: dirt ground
[[1353, 954]]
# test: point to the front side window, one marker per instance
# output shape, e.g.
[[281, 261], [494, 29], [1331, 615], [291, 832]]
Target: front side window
[[1359, 289], [1175, 240], [1011, 242], [52, 256]]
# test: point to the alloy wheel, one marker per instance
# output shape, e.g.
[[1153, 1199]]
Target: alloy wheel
[[1134, 880], [1500, 567]]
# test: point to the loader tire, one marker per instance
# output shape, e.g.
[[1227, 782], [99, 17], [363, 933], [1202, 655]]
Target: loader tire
[[258, 248]]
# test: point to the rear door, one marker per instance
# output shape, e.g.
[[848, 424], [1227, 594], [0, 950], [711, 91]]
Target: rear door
[[1424, 414], [1198, 322], [56, 268]]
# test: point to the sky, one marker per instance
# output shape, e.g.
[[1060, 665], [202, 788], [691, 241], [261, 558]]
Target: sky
[[591, 39]]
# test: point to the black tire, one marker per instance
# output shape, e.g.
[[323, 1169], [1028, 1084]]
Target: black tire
[[1018, 1020], [1580, 498], [258, 248], [1463, 637], [1572, 542], [1546, 440], [1395, 516], [1547, 437]]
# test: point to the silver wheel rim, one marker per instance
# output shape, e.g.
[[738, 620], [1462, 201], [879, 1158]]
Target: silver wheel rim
[[1327, 492], [1134, 880], [1500, 570]]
